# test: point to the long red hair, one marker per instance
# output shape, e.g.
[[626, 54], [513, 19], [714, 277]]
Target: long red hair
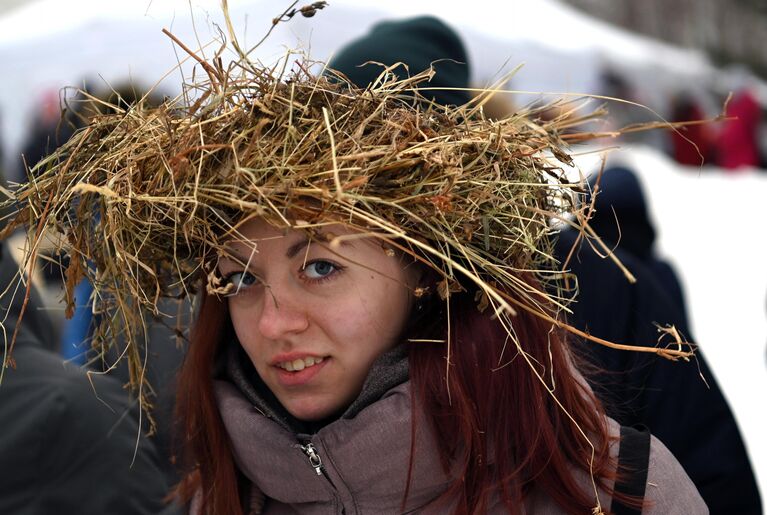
[[501, 429], [488, 409]]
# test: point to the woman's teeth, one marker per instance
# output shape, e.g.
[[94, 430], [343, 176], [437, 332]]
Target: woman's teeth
[[299, 364]]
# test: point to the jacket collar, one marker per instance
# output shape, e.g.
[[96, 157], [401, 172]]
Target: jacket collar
[[365, 458]]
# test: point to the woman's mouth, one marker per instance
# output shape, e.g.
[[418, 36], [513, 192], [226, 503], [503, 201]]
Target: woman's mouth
[[296, 365], [299, 371]]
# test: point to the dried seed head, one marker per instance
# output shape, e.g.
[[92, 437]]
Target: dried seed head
[[420, 291]]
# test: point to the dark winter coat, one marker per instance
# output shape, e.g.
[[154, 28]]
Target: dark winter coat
[[70, 443], [689, 415], [621, 218]]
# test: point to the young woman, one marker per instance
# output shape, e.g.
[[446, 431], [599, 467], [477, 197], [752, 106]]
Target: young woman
[[371, 335], [320, 383]]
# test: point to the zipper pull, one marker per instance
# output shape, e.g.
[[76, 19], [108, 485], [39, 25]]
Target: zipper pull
[[314, 459]]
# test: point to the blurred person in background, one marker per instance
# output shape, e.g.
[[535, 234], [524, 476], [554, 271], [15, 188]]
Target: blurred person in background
[[736, 144], [71, 337], [691, 145], [414, 42], [50, 127], [638, 389], [681, 403], [165, 337], [60, 114], [57, 117], [71, 442], [622, 220], [80, 110]]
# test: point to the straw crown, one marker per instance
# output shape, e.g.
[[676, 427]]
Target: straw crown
[[145, 200]]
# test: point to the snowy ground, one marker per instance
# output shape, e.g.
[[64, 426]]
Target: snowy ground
[[710, 223]]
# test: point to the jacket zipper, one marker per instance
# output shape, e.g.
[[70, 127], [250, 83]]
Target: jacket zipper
[[314, 459], [308, 448]]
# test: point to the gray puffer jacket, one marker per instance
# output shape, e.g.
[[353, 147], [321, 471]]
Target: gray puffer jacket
[[359, 465]]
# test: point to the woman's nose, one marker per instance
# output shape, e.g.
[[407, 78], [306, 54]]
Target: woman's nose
[[281, 315]]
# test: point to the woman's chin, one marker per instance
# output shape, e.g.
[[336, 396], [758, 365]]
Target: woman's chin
[[309, 411]]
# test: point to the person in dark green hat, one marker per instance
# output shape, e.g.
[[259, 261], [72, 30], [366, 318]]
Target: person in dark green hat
[[418, 43]]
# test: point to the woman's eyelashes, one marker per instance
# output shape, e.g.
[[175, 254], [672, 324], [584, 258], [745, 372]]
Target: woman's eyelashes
[[314, 272], [319, 270], [240, 281]]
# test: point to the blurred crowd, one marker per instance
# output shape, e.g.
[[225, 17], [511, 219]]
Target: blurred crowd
[[724, 130], [118, 468]]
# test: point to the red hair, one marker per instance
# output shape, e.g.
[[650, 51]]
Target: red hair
[[489, 409], [205, 446]]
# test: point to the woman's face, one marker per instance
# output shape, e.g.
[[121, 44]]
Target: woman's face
[[313, 319]]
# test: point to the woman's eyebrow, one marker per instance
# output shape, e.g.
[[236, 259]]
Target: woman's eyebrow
[[294, 249], [290, 253], [234, 257]]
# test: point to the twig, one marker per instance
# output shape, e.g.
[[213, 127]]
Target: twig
[[215, 78]]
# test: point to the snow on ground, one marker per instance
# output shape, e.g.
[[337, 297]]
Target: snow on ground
[[710, 222]]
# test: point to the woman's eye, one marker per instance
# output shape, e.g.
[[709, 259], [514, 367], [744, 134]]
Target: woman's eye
[[319, 269], [241, 281]]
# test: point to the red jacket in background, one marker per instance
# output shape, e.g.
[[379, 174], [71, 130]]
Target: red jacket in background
[[737, 142]]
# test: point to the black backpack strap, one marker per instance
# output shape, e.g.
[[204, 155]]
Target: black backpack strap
[[633, 462]]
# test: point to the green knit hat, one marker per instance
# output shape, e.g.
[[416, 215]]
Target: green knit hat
[[418, 43]]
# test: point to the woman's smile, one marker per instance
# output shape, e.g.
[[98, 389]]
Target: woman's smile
[[298, 364], [300, 372]]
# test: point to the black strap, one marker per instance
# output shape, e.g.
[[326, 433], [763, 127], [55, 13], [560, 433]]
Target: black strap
[[633, 462]]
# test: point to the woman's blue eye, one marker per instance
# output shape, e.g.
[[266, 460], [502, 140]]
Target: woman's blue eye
[[241, 280], [319, 269]]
